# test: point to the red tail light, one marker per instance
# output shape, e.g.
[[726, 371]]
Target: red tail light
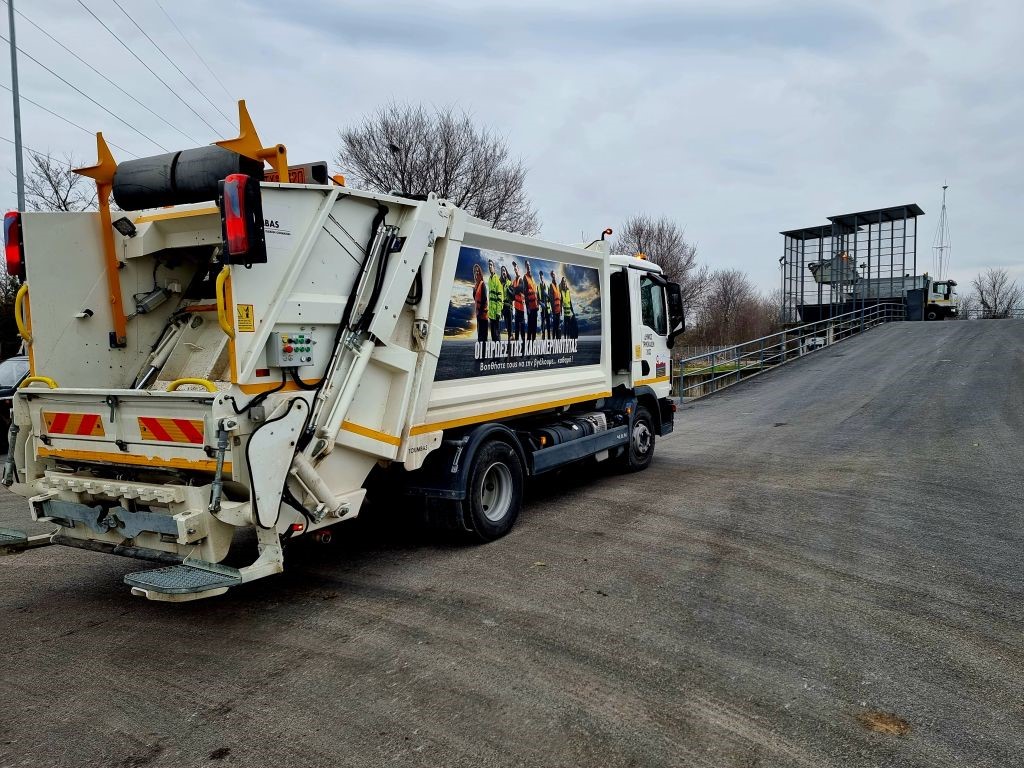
[[242, 219], [14, 249], [235, 230]]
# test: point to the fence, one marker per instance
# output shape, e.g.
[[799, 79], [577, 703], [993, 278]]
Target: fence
[[1017, 313], [700, 375]]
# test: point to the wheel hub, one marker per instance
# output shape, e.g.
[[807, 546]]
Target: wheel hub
[[496, 492], [641, 438]]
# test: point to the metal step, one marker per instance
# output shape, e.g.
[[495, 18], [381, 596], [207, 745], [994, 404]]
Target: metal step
[[188, 581], [8, 536], [12, 542]]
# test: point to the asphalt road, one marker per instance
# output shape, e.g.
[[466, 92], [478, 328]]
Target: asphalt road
[[823, 567]]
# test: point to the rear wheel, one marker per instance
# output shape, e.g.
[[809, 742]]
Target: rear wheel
[[638, 454], [494, 494]]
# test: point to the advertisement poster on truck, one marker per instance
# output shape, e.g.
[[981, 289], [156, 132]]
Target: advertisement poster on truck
[[511, 313]]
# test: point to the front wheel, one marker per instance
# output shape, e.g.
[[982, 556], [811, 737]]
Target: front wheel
[[933, 314], [494, 495], [638, 454]]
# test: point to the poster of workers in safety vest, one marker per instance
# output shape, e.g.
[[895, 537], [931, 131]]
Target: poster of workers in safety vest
[[510, 313]]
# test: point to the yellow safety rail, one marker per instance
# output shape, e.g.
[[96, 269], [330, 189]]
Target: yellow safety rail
[[223, 311], [38, 380], [209, 385], [19, 315]]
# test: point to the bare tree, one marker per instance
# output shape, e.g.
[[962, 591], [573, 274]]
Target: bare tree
[[664, 242], [734, 311], [52, 185], [997, 293], [966, 304], [406, 149]]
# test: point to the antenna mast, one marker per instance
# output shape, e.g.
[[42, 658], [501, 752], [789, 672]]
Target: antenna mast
[[941, 246]]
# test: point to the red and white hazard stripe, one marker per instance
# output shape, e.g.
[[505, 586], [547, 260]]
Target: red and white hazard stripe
[[85, 424], [171, 430]]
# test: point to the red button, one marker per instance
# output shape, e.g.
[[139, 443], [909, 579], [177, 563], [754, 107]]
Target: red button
[[288, 348]]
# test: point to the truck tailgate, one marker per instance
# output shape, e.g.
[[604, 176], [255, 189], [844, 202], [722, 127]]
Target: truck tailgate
[[132, 427]]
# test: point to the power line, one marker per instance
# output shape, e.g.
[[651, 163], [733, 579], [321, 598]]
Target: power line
[[122, 90], [198, 55], [164, 53], [133, 53], [69, 122], [27, 149], [82, 93]]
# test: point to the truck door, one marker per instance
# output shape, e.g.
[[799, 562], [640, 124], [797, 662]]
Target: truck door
[[651, 355]]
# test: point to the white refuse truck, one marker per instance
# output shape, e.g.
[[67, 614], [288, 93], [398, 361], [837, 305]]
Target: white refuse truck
[[229, 353], [937, 297]]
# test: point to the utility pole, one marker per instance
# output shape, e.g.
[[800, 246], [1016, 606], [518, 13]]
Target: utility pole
[[19, 168]]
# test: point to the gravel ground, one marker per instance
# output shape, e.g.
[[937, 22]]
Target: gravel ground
[[821, 568]]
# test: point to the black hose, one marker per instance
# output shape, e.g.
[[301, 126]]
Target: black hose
[[378, 285], [289, 498], [261, 396], [300, 383], [350, 303]]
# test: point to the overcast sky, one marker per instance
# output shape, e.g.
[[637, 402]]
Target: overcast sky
[[737, 119]]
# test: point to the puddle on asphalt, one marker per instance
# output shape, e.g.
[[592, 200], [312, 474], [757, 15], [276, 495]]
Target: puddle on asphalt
[[884, 722]]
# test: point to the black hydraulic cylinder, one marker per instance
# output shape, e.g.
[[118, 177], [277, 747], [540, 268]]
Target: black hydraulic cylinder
[[188, 176]]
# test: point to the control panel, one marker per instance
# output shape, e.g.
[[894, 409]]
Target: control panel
[[290, 349]]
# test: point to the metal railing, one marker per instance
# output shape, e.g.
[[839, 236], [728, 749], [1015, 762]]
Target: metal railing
[[1016, 313], [701, 375]]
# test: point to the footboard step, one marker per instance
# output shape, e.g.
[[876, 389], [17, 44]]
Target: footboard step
[[189, 581], [13, 542]]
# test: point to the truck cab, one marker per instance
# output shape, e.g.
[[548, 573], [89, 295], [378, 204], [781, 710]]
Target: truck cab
[[643, 331], [942, 300]]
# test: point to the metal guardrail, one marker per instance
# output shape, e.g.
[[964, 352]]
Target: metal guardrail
[[1017, 313], [701, 375]]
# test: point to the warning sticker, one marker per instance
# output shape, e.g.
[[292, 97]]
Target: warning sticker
[[246, 318]]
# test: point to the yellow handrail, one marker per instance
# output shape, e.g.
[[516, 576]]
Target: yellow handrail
[[38, 379], [19, 319], [223, 311], [210, 387]]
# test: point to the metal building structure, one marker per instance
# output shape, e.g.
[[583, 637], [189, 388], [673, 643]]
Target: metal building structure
[[820, 265]]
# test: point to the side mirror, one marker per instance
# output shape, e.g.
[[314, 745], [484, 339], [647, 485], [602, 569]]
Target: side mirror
[[676, 314]]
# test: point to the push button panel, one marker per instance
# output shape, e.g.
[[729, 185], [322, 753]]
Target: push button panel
[[290, 349]]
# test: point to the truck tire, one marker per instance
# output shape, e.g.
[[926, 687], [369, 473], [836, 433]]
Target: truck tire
[[494, 494], [640, 450], [933, 313]]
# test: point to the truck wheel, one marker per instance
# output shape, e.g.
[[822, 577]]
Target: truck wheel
[[932, 314], [638, 454], [494, 494]]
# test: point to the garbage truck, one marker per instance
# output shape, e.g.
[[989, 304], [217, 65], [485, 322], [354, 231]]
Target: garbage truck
[[227, 354], [850, 290]]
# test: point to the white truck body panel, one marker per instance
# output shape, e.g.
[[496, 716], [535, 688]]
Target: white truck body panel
[[418, 368]]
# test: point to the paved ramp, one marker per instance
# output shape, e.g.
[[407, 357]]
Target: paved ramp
[[822, 568]]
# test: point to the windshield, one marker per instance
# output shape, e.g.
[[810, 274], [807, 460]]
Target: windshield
[[12, 371]]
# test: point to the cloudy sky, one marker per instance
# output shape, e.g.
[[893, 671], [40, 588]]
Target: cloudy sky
[[737, 119]]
